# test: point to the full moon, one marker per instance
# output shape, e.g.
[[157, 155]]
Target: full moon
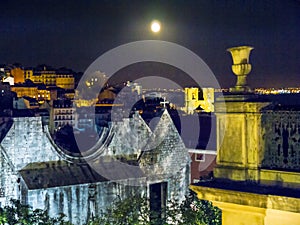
[[155, 26]]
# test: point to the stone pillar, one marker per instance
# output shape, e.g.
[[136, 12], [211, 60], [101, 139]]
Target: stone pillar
[[239, 137], [239, 132]]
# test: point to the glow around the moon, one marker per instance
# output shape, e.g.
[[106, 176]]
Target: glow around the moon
[[155, 26]]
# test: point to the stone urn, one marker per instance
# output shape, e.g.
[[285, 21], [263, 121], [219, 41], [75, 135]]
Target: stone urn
[[241, 67]]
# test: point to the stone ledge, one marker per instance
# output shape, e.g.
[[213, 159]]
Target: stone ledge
[[229, 196], [280, 178], [260, 196]]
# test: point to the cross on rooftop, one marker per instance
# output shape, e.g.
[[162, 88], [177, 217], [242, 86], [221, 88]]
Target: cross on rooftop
[[164, 102]]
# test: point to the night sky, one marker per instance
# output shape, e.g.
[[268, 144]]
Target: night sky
[[74, 33]]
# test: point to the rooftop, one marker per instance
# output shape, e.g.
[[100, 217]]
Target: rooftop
[[61, 173]]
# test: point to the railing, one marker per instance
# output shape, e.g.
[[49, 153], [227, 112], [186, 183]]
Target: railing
[[281, 135]]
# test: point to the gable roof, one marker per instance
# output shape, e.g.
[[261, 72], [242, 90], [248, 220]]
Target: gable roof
[[161, 154], [130, 136], [60, 173], [165, 153]]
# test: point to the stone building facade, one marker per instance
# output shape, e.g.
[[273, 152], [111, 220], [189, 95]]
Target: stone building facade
[[128, 158]]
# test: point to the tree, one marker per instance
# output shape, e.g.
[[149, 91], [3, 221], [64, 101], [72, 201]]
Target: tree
[[20, 214], [196, 211], [134, 210]]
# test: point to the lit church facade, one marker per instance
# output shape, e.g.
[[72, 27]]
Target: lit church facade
[[128, 158]]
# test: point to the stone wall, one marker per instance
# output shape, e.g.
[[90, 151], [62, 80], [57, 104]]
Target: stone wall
[[130, 136], [8, 179], [80, 202], [29, 156], [239, 138], [27, 142]]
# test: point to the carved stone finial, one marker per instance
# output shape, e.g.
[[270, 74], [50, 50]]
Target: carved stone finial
[[241, 67]]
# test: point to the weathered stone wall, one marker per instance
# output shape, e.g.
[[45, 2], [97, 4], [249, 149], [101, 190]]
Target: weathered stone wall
[[239, 138], [8, 179], [27, 142], [81, 202], [24, 143], [130, 136]]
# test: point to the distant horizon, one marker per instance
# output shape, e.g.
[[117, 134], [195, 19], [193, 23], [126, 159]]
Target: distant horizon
[[136, 67]]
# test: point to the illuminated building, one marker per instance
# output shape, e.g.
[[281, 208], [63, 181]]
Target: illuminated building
[[257, 178], [18, 75], [43, 94], [28, 74], [32, 90], [207, 104], [65, 81], [62, 113], [193, 100], [70, 94], [44, 75], [28, 89], [48, 77], [51, 77]]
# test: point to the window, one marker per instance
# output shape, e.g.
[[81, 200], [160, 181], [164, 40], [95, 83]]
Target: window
[[199, 157]]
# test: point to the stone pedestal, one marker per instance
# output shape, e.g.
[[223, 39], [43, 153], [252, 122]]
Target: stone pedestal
[[239, 140]]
